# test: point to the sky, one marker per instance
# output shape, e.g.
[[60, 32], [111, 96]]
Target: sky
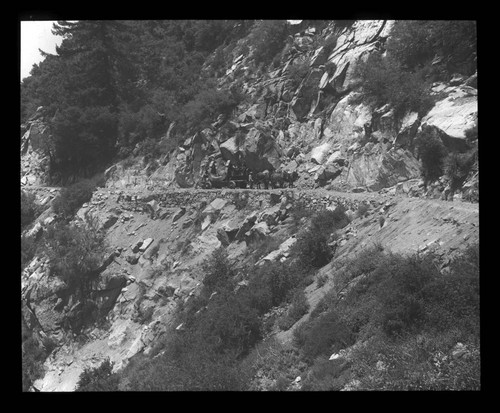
[[36, 35]]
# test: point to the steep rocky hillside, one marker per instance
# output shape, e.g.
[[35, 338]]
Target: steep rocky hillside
[[158, 241], [159, 227]]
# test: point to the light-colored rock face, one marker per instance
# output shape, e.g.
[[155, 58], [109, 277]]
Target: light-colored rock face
[[347, 122], [454, 114], [379, 170], [320, 153], [353, 45], [34, 159]]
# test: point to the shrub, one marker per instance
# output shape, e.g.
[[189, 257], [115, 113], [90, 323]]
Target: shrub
[[327, 220], [391, 294], [321, 280], [384, 81], [29, 209], [218, 271], [100, 378], [75, 254], [457, 166], [326, 375], [228, 324], [33, 357], [71, 198], [268, 38], [297, 309], [471, 134], [267, 245], [207, 105], [323, 335], [329, 44], [416, 42], [312, 249], [431, 152], [362, 210], [411, 365], [149, 148], [29, 248], [283, 279], [270, 360], [408, 315], [187, 363], [296, 73], [299, 211], [452, 300]]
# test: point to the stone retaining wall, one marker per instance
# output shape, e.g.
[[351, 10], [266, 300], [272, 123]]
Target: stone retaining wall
[[251, 199]]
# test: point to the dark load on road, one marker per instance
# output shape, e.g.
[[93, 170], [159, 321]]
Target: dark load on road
[[237, 175]]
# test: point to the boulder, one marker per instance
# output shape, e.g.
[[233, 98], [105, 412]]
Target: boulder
[[231, 228], [223, 237], [292, 151], [408, 129], [154, 207], [452, 116], [459, 350], [327, 173], [281, 251], [248, 222], [319, 153], [145, 244], [109, 221], [257, 233], [457, 79], [187, 223], [260, 151], [335, 157], [132, 258], [206, 222], [136, 247], [36, 231], [271, 215], [179, 213], [217, 204]]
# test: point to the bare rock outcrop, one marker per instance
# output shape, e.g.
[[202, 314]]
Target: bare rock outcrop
[[452, 116]]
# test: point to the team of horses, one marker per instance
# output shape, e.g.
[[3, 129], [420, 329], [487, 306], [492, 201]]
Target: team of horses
[[275, 179]]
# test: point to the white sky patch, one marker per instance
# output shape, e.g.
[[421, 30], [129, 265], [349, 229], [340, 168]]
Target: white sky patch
[[36, 35]]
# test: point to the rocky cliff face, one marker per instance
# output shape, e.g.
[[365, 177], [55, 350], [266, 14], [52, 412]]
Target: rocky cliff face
[[159, 229], [318, 125], [35, 159]]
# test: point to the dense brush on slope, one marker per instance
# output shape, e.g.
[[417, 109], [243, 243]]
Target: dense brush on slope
[[397, 328]]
